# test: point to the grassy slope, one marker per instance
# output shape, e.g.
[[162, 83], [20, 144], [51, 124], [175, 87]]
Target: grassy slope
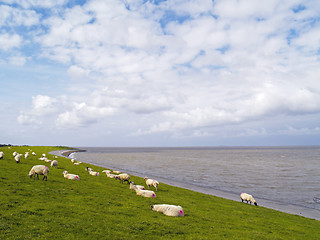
[[102, 208]]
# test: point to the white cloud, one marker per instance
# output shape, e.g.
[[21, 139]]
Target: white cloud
[[9, 41], [10, 16], [179, 67], [17, 60], [36, 3]]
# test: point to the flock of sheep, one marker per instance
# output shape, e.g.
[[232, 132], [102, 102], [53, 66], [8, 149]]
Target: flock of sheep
[[167, 209]]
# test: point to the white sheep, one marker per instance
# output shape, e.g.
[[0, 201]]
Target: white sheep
[[17, 157], [1, 155], [54, 163], [107, 171], [14, 154], [248, 198], [169, 210], [33, 153], [124, 177], [110, 175], [44, 155], [39, 170], [26, 155], [76, 163], [70, 176], [116, 172], [151, 182], [88, 169], [72, 160], [93, 173], [146, 193], [135, 187]]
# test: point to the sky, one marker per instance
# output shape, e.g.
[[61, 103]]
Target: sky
[[160, 73]]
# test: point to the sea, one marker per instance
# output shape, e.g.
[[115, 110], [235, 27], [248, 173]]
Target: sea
[[283, 178]]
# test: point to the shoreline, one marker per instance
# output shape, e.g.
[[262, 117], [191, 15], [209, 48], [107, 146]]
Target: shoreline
[[278, 206]]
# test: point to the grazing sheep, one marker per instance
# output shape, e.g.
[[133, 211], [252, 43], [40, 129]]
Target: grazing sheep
[[146, 193], [70, 176], [76, 163], [169, 210], [39, 170], [17, 157], [44, 155], [26, 155], [88, 169], [248, 198], [54, 163], [33, 153], [14, 154], [72, 160], [151, 182], [124, 177], [135, 187], [116, 172], [1, 155]]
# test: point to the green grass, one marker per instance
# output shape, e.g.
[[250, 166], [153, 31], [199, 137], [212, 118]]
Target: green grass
[[103, 208]]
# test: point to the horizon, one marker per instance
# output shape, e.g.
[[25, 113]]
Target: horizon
[[160, 73]]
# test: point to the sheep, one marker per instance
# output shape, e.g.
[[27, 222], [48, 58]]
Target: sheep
[[54, 163], [146, 193], [70, 176], [33, 153], [17, 157], [106, 171], [117, 172], [93, 173], [26, 155], [124, 177], [39, 170], [14, 154], [44, 155], [135, 187], [88, 169], [248, 198], [1, 155], [169, 210], [76, 163], [152, 182], [72, 160], [110, 175]]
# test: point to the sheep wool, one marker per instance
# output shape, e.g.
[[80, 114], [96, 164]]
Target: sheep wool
[[1, 155], [146, 193], [17, 157], [39, 170], [248, 198], [70, 176], [169, 210], [124, 177], [54, 163], [151, 182], [93, 173], [26, 155], [135, 187], [106, 171]]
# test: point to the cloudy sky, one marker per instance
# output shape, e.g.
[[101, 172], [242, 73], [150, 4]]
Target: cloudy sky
[[160, 73]]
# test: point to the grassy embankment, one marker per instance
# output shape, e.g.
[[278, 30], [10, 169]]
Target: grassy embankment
[[103, 208]]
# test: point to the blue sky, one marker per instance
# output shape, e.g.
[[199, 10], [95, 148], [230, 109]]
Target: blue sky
[[160, 73]]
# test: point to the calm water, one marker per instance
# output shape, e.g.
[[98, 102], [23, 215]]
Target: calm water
[[284, 174]]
